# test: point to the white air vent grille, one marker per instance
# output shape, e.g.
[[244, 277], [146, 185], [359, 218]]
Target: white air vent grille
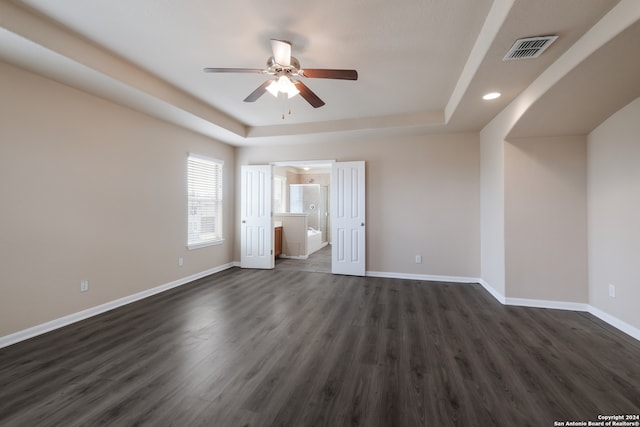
[[530, 47]]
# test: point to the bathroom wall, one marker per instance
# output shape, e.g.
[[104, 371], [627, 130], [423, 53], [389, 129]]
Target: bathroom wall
[[294, 234], [314, 178]]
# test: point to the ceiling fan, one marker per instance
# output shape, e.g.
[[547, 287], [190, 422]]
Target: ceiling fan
[[285, 69]]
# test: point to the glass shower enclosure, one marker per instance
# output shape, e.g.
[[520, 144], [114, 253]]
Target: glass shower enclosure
[[312, 199]]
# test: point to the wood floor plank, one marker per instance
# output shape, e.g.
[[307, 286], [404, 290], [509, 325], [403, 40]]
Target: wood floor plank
[[302, 348]]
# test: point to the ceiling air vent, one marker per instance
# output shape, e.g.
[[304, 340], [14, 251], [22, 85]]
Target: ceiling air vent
[[531, 47]]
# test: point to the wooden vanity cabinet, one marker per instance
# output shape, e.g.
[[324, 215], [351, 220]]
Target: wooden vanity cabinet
[[277, 241]]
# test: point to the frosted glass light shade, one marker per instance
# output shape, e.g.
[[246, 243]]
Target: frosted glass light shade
[[284, 85]]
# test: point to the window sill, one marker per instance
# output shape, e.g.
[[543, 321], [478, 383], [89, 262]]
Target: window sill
[[205, 244]]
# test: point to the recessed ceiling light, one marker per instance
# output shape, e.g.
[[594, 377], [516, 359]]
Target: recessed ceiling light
[[492, 95]]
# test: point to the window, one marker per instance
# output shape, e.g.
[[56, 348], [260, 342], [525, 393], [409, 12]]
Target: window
[[279, 194], [204, 178]]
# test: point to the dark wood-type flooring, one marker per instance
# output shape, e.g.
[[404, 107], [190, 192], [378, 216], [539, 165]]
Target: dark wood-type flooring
[[319, 261], [294, 348]]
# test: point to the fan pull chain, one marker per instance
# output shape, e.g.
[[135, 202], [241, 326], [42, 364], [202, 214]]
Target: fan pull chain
[[286, 104]]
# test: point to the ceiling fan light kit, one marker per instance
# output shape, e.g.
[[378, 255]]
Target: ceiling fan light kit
[[286, 70], [283, 85]]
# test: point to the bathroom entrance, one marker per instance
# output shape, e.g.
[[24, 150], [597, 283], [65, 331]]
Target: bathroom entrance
[[334, 219], [301, 206]]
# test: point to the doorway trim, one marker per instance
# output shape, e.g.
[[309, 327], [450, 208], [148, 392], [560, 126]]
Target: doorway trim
[[329, 164], [360, 243]]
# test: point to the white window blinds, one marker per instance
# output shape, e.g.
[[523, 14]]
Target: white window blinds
[[204, 178]]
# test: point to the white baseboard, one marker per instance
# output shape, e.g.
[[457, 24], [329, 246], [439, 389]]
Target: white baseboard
[[564, 305], [425, 277], [615, 322], [522, 302], [494, 293], [294, 256], [25, 334], [555, 305]]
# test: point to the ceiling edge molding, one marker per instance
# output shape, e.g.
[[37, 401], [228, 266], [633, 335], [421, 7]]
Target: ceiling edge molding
[[495, 19], [50, 36], [430, 118]]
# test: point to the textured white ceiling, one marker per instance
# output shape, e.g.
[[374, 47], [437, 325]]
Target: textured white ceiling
[[408, 55], [423, 64]]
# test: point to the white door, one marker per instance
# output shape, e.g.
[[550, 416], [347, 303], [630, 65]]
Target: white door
[[348, 219], [256, 228]]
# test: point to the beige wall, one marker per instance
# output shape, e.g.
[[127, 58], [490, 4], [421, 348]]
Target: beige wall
[[614, 212], [91, 190], [422, 198], [546, 218]]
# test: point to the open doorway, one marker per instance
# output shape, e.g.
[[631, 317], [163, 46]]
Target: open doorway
[[345, 232], [302, 215]]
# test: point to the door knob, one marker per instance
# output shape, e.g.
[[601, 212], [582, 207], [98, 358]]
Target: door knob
[[362, 224]]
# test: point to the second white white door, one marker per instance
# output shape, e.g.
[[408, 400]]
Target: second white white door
[[256, 228], [348, 218]]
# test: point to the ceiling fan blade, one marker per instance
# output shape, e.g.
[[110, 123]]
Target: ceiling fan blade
[[233, 70], [281, 52], [308, 95], [253, 96], [322, 73]]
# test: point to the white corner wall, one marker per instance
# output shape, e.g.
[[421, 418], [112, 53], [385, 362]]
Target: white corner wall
[[614, 214], [492, 239], [493, 138]]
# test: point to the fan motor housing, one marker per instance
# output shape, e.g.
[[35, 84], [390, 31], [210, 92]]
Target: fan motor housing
[[272, 65]]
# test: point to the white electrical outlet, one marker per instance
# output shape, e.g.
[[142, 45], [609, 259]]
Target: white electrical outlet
[[418, 259], [180, 262], [84, 286], [612, 290]]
